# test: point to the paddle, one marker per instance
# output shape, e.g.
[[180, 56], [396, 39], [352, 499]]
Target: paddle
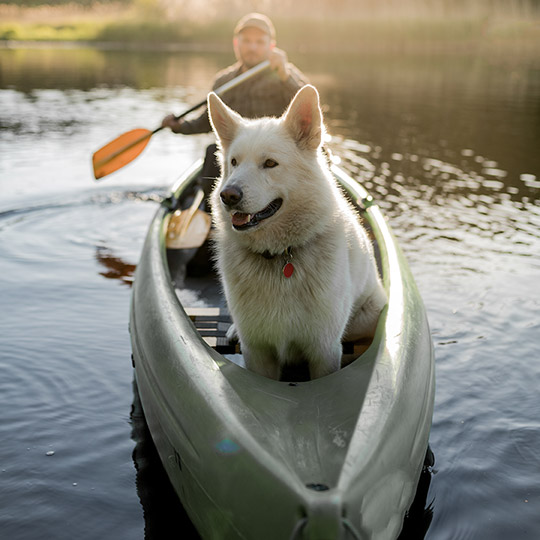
[[127, 147], [188, 228]]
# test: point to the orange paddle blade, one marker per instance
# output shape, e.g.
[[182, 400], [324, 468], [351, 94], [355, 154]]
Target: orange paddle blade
[[120, 152]]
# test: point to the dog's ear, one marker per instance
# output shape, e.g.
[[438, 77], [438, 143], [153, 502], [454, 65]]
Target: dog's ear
[[224, 120], [303, 118]]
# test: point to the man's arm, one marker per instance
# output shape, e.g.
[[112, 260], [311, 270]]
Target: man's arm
[[296, 79], [201, 123], [289, 74]]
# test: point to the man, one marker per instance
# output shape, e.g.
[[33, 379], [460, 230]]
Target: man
[[267, 94]]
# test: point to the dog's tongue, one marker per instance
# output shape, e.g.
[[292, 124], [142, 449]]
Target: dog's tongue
[[240, 219]]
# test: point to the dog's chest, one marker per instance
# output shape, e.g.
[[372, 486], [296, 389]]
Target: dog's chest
[[279, 274], [284, 283]]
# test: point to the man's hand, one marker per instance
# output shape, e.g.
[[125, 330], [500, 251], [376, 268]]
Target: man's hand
[[171, 122], [278, 61]]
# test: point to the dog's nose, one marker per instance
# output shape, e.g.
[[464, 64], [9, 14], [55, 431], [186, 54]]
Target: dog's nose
[[231, 195]]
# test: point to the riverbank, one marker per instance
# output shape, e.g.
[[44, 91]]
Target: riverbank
[[118, 26]]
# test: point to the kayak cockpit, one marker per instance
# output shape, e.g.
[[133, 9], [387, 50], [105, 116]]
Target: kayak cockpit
[[198, 290]]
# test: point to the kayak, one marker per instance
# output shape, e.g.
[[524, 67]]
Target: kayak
[[337, 457]]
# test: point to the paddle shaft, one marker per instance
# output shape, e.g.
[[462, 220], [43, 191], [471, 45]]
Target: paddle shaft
[[259, 68], [104, 160], [190, 212]]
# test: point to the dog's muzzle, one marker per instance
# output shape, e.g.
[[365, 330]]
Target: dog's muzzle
[[242, 221]]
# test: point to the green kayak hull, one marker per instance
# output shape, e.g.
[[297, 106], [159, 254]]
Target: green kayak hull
[[334, 458]]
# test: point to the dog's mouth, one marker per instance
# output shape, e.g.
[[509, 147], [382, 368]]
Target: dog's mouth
[[241, 221]]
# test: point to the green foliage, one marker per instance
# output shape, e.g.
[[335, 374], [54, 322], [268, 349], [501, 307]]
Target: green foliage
[[146, 23], [48, 32], [83, 3], [141, 32]]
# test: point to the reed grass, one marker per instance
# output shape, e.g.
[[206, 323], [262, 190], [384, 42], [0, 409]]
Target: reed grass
[[331, 25]]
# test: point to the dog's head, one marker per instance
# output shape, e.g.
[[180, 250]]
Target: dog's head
[[268, 167]]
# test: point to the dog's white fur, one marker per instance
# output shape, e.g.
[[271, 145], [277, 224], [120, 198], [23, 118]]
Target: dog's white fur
[[335, 290]]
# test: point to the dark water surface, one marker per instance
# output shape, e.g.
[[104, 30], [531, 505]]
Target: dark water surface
[[449, 145]]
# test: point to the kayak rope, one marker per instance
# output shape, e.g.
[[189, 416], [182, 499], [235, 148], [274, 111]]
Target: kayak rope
[[349, 527]]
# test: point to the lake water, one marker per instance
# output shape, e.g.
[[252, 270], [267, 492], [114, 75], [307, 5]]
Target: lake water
[[448, 144]]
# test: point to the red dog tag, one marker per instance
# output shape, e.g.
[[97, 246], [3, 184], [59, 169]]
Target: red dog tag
[[288, 270]]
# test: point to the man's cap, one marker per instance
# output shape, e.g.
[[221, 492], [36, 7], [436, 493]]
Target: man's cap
[[256, 20]]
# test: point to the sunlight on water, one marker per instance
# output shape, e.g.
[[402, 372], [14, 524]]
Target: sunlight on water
[[447, 146]]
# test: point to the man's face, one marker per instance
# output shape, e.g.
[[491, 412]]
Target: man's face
[[252, 46]]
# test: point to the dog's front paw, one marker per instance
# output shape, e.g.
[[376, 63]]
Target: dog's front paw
[[232, 334]]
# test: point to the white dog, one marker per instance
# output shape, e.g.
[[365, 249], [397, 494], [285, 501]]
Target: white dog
[[297, 268]]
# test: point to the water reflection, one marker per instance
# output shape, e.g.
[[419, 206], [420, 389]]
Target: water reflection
[[420, 515], [164, 516], [87, 68], [458, 202], [115, 267], [454, 117]]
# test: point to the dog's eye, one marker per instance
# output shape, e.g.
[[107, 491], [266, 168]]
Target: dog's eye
[[270, 164], [234, 162]]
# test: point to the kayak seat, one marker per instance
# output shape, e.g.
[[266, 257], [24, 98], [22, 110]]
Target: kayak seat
[[212, 323]]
